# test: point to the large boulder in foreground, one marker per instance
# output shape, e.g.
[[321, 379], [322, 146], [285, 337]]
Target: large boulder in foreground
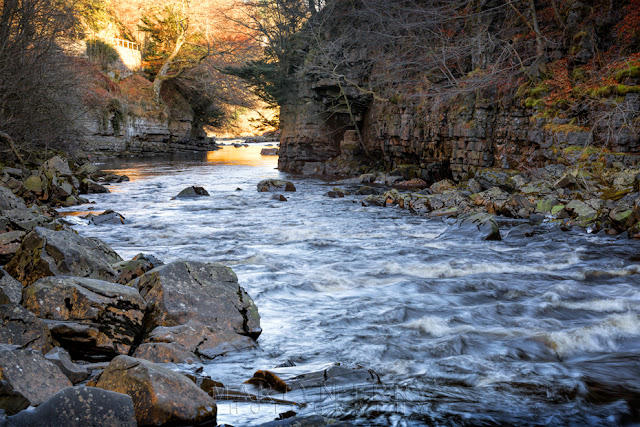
[[275, 185], [88, 317], [207, 293], [46, 253], [21, 327], [29, 373], [9, 201], [160, 395], [80, 407], [10, 287], [477, 226]]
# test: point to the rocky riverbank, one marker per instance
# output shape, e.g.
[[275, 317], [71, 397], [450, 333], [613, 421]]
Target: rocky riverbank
[[606, 201], [86, 335]]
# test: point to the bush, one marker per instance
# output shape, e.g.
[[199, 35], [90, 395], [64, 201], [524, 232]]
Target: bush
[[101, 52]]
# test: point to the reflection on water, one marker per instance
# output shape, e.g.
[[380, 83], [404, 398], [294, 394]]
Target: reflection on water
[[543, 330]]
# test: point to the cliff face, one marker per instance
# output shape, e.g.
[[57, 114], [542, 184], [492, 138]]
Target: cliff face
[[141, 135], [553, 117]]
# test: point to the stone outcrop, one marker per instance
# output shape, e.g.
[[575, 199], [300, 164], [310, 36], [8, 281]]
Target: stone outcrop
[[80, 407], [54, 253], [267, 185], [160, 396], [88, 317]]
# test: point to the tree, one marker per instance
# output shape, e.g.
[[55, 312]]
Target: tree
[[177, 45], [38, 82]]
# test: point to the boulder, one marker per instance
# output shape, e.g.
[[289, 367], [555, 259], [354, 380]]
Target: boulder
[[269, 152], [160, 395], [275, 185], [489, 178], [442, 186], [162, 352], [55, 253], [582, 211], [136, 267], [80, 407], [493, 199], [204, 341], [29, 373], [366, 191], [21, 327], [10, 287], [279, 198], [89, 186], [9, 245], [57, 166], [88, 317], [517, 206], [208, 293], [519, 232], [11, 401], [107, 217], [191, 192], [28, 219], [60, 357], [87, 169], [478, 226], [9, 201]]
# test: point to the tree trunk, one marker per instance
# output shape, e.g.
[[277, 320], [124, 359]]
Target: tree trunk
[[536, 28], [164, 70], [6, 137]]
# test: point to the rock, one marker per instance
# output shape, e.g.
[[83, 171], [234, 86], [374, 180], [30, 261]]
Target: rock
[[208, 293], [10, 287], [57, 166], [9, 245], [279, 198], [489, 178], [54, 253], [517, 206], [9, 201], [442, 186], [108, 217], [28, 219], [21, 327], [478, 226], [311, 421], [546, 205], [160, 396], [331, 375], [268, 379], [87, 169], [536, 219], [36, 184], [474, 186], [493, 199], [620, 216], [60, 357], [88, 186], [136, 267], [367, 178], [80, 407], [374, 200], [200, 339], [567, 181], [88, 317], [519, 232], [29, 373], [414, 183], [580, 210], [191, 192], [269, 152], [636, 183], [366, 191], [275, 185], [445, 212], [11, 401], [162, 352]]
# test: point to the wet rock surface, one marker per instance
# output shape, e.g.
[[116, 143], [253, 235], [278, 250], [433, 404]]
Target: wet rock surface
[[268, 185], [88, 317], [160, 396], [60, 357], [192, 192]]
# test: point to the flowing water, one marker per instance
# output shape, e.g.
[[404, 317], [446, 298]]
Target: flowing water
[[542, 330]]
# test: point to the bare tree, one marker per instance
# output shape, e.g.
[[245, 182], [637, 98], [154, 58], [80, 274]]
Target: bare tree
[[38, 82]]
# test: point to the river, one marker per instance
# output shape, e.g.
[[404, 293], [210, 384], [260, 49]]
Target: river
[[540, 330]]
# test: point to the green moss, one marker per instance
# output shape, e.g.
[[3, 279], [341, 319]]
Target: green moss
[[533, 103], [579, 75], [613, 90], [631, 72]]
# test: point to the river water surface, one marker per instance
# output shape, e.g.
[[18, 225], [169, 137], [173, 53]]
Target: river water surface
[[543, 330]]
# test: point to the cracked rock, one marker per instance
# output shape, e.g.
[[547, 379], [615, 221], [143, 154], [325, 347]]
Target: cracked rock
[[88, 317], [21, 327]]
